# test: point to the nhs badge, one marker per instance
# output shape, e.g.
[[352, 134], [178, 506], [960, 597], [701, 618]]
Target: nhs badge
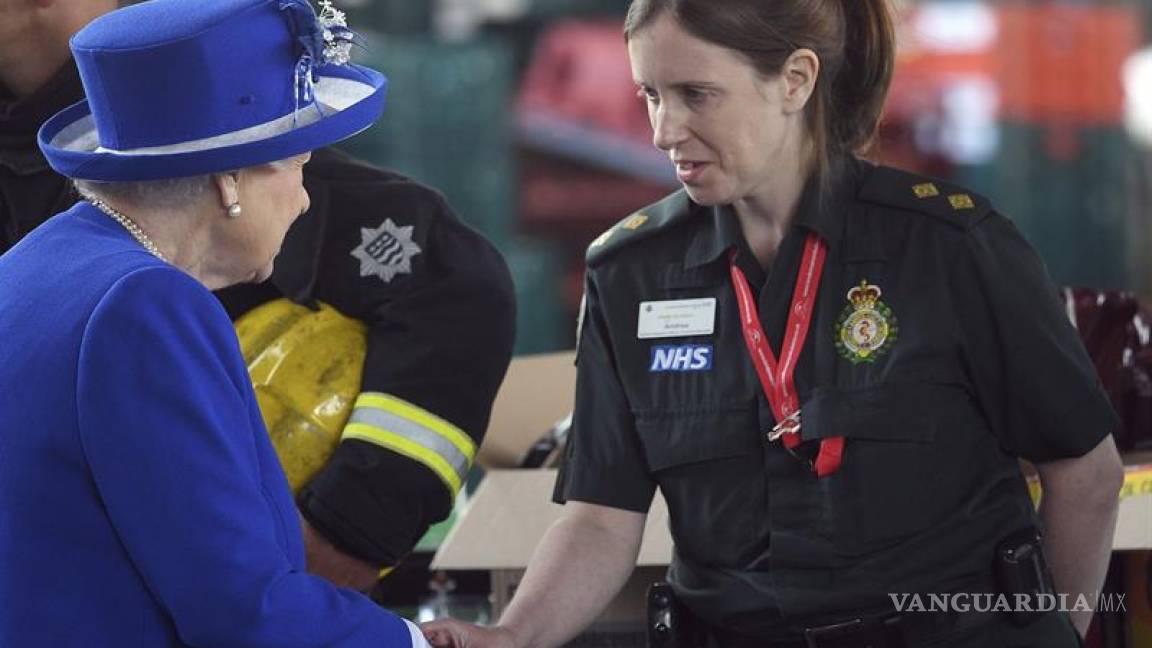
[[681, 357]]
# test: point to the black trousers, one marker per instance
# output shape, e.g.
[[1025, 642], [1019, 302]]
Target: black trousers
[[1053, 630]]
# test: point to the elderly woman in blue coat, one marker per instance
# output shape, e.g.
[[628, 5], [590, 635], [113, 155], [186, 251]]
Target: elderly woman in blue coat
[[141, 502]]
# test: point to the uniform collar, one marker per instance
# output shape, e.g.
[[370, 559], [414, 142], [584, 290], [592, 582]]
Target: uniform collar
[[720, 230]]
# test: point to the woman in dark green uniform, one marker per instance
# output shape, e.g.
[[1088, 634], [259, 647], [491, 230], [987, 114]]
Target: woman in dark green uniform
[[828, 368]]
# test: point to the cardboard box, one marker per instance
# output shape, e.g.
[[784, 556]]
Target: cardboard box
[[538, 391], [512, 509], [507, 516]]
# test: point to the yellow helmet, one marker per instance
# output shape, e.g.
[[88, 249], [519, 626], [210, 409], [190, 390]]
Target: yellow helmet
[[305, 367]]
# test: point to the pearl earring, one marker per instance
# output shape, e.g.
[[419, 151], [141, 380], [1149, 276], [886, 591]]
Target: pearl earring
[[234, 210]]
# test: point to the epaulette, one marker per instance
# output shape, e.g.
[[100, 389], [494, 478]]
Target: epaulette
[[639, 226], [895, 188]]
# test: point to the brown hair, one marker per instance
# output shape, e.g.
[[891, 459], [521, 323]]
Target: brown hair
[[854, 39]]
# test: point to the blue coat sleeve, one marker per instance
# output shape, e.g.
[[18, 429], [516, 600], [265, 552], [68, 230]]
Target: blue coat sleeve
[[191, 486]]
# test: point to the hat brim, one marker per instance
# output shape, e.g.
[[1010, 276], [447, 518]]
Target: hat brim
[[349, 99]]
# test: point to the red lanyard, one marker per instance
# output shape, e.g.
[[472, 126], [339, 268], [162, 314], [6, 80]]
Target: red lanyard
[[777, 376]]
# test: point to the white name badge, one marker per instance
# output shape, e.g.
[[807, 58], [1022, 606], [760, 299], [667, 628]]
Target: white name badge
[[676, 318]]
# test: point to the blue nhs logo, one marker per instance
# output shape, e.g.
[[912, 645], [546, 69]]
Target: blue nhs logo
[[681, 357]]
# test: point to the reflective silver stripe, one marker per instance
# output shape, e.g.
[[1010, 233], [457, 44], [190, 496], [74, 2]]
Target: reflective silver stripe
[[416, 433]]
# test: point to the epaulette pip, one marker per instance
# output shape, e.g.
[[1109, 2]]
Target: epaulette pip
[[639, 226], [895, 188]]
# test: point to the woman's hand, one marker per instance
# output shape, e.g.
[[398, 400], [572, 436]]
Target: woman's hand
[[450, 633]]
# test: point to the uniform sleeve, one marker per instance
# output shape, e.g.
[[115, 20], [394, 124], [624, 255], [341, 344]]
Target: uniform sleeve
[[1033, 378], [168, 426], [441, 326], [604, 462]]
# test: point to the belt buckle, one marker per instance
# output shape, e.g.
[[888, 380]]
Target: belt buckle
[[791, 423], [815, 637]]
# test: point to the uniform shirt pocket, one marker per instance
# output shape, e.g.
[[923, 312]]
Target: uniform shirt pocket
[[884, 491], [674, 438], [709, 465]]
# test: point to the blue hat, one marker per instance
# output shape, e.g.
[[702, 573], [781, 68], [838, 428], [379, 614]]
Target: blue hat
[[188, 87]]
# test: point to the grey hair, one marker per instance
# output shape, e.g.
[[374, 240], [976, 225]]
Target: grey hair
[[166, 193]]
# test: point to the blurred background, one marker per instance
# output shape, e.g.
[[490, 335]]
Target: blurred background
[[523, 113]]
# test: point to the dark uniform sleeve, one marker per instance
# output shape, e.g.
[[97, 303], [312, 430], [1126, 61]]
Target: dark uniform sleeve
[[1033, 378], [604, 462], [439, 305]]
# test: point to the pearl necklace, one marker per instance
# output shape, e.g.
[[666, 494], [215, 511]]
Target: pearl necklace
[[131, 226]]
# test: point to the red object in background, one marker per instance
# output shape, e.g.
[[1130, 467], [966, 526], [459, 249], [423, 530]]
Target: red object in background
[[575, 204], [580, 71], [1118, 335], [580, 74], [1052, 64], [923, 75], [588, 201], [1062, 62]]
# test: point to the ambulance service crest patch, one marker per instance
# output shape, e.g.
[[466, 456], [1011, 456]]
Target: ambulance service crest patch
[[867, 328], [386, 251]]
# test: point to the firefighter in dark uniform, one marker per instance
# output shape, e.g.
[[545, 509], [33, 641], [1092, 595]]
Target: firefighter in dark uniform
[[828, 368], [435, 296], [438, 303]]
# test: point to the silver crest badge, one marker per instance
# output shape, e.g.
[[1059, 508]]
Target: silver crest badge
[[386, 251]]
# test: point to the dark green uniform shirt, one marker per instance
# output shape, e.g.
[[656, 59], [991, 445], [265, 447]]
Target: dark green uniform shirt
[[979, 366]]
